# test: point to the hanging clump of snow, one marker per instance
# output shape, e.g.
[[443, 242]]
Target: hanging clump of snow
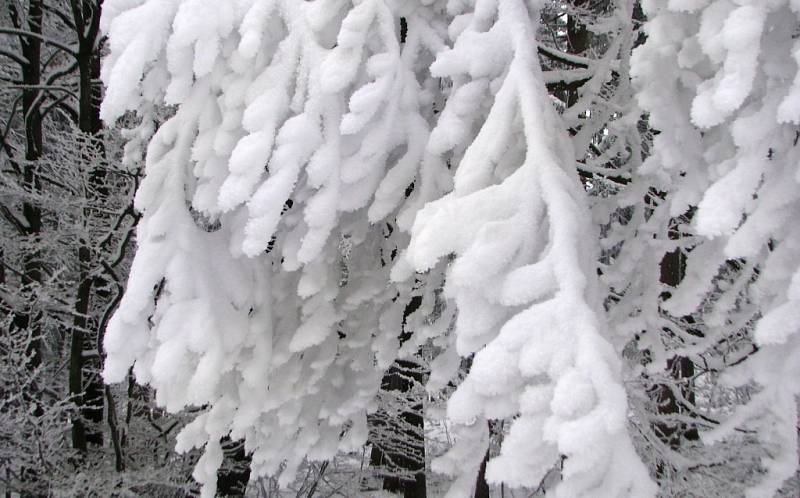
[[720, 79], [298, 126], [523, 278]]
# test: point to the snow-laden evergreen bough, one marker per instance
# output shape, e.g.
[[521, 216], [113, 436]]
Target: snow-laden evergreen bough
[[523, 279], [720, 81], [261, 288]]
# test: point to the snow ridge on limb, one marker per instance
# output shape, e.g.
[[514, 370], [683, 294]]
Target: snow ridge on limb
[[737, 79], [522, 279], [259, 285]]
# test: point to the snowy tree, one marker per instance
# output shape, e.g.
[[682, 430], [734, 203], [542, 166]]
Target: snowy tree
[[724, 164], [523, 283], [258, 208], [67, 226], [601, 232]]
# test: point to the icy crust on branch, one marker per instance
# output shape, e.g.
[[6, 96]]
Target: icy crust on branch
[[259, 287], [737, 78], [523, 275]]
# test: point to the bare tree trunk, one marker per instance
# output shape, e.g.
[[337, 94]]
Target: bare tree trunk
[[481, 486], [579, 39], [27, 320], [32, 214], [232, 478], [681, 369], [85, 385], [409, 459], [401, 377]]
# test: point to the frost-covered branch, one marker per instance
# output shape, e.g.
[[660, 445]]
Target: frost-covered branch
[[44, 39], [522, 277]]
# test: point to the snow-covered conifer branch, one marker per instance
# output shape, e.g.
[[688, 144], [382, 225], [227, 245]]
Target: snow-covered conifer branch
[[577, 220], [719, 80], [522, 279], [296, 126]]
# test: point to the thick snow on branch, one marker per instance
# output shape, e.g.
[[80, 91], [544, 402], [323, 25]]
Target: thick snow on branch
[[328, 161], [259, 288], [731, 66], [523, 278]]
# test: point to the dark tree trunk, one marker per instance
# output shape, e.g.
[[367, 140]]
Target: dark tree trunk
[[232, 478], [579, 39], [31, 78], [481, 486], [401, 377], [410, 458], [85, 385], [681, 369], [27, 321]]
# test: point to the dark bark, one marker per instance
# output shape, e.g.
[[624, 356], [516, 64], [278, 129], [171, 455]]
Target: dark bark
[[234, 474], [481, 486], [409, 459], [85, 385], [681, 369], [113, 425], [32, 214], [401, 377], [579, 39], [315, 484], [27, 319]]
